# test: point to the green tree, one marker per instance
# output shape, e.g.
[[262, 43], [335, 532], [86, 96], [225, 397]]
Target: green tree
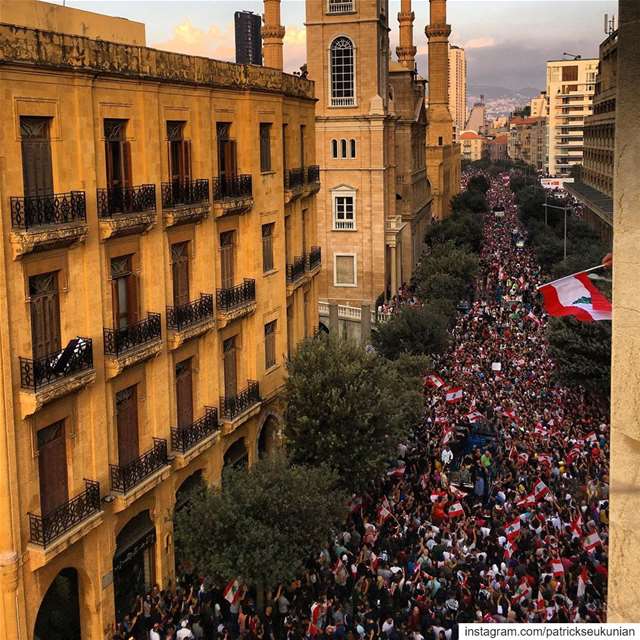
[[469, 201], [582, 353], [414, 330], [439, 286], [464, 229], [263, 525], [478, 183], [342, 409]]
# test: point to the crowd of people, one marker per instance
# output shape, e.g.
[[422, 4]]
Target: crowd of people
[[494, 511]]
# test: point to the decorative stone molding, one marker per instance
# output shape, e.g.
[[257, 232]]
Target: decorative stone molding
[[229, 206], [41, 238], [438, 31], [115, 365], [230, 425], [406, 53], [123, 501], [76, 53], [273, 32], [291, 193], [126, 224], [177, 337], [226, 317], [185, 214], [182, 460], [32, 401]]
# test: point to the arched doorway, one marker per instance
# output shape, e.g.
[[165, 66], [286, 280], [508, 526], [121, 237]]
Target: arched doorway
[[267, 442], [59, 614], [133, 562], [237, 455], [195, 483]]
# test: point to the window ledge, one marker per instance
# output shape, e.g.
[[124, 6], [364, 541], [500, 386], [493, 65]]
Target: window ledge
[[272, 369], [343, 230], [271, 272], [271, 172]]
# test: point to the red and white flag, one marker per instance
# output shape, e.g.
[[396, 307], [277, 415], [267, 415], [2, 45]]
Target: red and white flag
[[455, 510], [557, 567], [437, 494], [591, 437], [316, 610], [533, 318], [512, 530], [577, 296], [231, 592], [576, 525], [474, 416], [540, 490], [511, 414], [356, 503], [397, 472], [457, 493], [454, 394], [384, 514], [574, 454], [523, 458], [509, 549], [591, 541], [545, 458], [447, 434], [432, 380], [583, 581], [527, 501]]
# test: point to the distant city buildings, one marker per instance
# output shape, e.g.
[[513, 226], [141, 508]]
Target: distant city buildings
[[248, 37], [477, 120], [497, 148], [472, 144], [457, 89], [539, 106], [528, 141], [570, 89]]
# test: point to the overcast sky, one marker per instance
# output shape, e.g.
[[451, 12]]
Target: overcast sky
[[507, 41]]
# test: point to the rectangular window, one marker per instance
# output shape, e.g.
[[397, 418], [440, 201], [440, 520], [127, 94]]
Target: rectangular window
[[52, 467], [117, 154], [124, 291], [345, 270], [344, 212], [302, 138], [230, 371], [45, 314], [227, 153], [570, 73], [179, 152], [265, 146], [267, 247], [184, 393], [37, 171], [180, 271], [227, 259], [270, 344], [127, 424]]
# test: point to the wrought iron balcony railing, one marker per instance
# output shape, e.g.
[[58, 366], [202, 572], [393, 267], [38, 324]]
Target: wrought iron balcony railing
[[75, 357], [295, 271], [294, 178], [184, 192], [314, 259], [186, 315], [235, 405], [313, 174], [232, 187], [123, 479], [117, 201], [185, 438], [339, 6], [47, 528], [54, 209], [119, 341], [238, 296]]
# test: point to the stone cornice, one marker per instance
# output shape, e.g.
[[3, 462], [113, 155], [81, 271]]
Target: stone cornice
[[51, 50], [438, 31]]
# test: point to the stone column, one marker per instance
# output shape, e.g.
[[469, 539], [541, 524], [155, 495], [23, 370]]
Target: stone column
[[9, 587], [272, 35], [624, 530], [394, 271], [406, 51], [333, 318]]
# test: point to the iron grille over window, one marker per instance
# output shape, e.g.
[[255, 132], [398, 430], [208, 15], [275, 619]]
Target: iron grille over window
[[342, 73]]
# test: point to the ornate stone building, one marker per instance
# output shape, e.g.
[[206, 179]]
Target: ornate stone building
[[371, 127], [158, 227]]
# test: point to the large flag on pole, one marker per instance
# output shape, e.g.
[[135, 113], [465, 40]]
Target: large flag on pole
[[575, 295]]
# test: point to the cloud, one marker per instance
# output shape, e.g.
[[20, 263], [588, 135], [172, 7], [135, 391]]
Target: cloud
[[480, 43], [214, 42]]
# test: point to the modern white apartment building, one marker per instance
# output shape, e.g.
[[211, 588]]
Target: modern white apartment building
[[570, 89], [457, 89]]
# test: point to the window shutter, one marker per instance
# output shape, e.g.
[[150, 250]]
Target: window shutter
[[132, 298], [45, 314], [184, 393], [126, 168], [230, 374], [127, 424], [186, 159], [108, 159], [52, 467]]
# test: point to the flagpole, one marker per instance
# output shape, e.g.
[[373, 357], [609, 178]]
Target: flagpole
[[600, 266]]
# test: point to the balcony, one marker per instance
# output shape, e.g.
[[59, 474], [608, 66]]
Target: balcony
[[47, 222], [185, 201], [193, 439], [339, 6], [141, 473], [190, 320], [126, 210], [52, 533], [232, 195], [312, 180], [293, 184], [348, 101], [133, 344], [238, 405], [55, 375], [235, 302], [314, 259], [296, 271]]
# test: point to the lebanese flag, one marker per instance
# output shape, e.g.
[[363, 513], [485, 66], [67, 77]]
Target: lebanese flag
[[383, 514], [316, 610], [454, 394], [576, 296], [591, 437], [474, 416], [527, 501], [511, 414], [540, 490], [591, 542], [432, 380], [573, 455], [576, 525], [557, 568], [231, 592], [447, 434], [545, 458], [532, 317], [398, 472], [523, 458], [583, 580], [455, 510], [437, 494], [509, 549], [356, 503], [512, 530], [457, 493]]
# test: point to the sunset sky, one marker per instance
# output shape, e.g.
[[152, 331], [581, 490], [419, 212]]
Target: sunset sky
[[507, 41]]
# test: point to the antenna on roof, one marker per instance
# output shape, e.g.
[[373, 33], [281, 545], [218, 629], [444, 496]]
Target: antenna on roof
[[609, 25]]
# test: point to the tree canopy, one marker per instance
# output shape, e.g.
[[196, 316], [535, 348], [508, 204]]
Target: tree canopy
[[263, 525]]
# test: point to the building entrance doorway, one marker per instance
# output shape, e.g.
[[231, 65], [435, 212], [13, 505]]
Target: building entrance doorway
[[59, 614]]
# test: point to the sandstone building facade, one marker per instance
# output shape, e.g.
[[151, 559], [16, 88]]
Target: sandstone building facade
[[160, 260]]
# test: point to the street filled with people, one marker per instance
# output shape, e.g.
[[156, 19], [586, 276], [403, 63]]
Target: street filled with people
[[495, 510]]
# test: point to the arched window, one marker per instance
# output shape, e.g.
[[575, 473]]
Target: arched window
[[343, 148], [343, 93], [334, 148], [353, 148]]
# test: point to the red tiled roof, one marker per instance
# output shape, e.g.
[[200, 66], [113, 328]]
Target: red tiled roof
[[470, 135]]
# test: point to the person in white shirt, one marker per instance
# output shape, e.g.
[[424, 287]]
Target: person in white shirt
[[184, 633], [446, 456]]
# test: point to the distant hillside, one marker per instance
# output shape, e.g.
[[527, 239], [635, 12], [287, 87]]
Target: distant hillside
[[492, 92]]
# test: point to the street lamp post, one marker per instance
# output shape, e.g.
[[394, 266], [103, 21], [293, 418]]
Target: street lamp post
[[565, 209]]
